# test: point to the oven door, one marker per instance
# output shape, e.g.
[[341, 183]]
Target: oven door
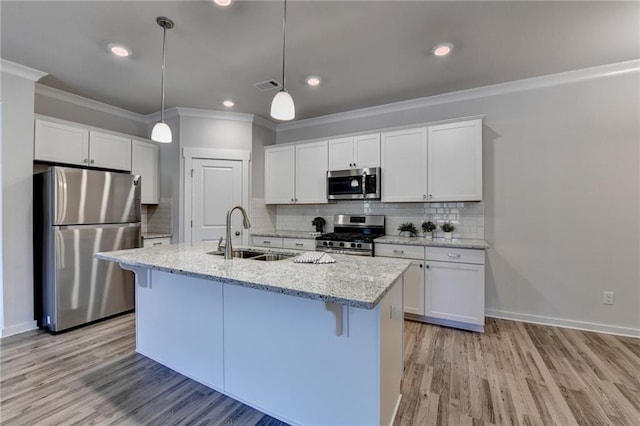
[[353, 184]]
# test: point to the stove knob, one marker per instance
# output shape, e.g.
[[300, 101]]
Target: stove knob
[[353, 244], [324, 243], [330, 243], [341, 244], [359, 245]]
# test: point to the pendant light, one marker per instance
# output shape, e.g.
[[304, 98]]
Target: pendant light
[[282, 107], [161, 131]]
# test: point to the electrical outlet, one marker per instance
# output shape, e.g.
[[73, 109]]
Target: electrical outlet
[[608, 297]]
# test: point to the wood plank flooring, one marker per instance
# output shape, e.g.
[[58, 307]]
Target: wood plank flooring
[[515, 373]]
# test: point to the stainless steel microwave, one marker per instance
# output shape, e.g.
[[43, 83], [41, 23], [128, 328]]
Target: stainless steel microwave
[[354, 184]]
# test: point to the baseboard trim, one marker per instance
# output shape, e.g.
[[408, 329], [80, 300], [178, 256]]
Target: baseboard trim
[[18, 328], [564, 323]]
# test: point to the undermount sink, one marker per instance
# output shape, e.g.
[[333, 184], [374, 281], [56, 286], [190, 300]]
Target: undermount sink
[[254, 255]]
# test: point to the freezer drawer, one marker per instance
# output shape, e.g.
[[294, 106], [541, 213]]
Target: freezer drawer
[[80, 288]]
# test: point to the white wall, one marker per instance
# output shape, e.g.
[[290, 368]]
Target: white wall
[[17, 193], [58, 104], [261, 137], [562, 196]]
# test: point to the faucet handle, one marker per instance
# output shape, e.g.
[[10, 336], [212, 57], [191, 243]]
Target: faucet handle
[[220, 245]]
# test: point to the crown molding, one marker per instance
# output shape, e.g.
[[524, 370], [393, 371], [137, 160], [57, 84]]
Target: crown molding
[[154, 117], [81, 101], [21, 70], [264, 123], [550, 80]]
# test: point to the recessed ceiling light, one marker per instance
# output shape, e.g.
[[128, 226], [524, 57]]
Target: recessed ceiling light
[[313, 80], [222, 2], [228, 103], [119, 50], [442, 49]]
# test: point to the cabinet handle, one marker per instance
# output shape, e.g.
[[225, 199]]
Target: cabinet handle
[[299, 244], [267, 242], [454, 255], [430, 196], [427, 266], [292, 199], [86, 160], [296, 200], [157, 244], [421, 266], [424, 197], [350, 165], [398, 252], [354, 164], [92, 161], [237, 233]]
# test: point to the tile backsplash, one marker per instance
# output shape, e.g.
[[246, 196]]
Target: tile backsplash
[[467, 217], [157, 217]]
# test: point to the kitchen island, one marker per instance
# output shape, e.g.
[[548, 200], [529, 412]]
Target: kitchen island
[[305, 343]]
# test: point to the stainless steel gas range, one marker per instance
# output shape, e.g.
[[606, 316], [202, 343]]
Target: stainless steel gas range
[[352, 234]]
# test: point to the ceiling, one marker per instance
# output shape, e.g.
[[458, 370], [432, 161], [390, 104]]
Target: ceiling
[[366, 52]]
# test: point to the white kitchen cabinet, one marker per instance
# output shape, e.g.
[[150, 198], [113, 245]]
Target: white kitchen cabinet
[[144, 162], [299, 244], [404, 165], [66, 144], [354, 152], [454, 153], [296, 174], [279, 175], [413, 277], [455, 292], [109, 151], [273, 242], [60, 143], [153, 242]]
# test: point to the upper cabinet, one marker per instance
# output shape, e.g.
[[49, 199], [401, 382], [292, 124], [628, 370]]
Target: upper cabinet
[[437, 163], [454, 153], [144, 162], [354, 152], [404, 165], [296, 174], [61, 143], [109, 151]]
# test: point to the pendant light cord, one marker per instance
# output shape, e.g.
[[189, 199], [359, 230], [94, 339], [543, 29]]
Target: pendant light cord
[[284, 44], [164, 40]]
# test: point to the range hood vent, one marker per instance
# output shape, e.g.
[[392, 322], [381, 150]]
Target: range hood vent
[[267, 85]]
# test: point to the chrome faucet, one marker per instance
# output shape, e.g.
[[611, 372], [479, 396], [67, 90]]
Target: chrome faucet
[[228, 250]]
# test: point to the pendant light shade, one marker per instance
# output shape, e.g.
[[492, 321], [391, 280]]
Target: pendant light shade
[[282, 106], [161, 131]]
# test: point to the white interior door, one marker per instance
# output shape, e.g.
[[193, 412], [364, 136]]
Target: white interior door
[[216, 187]]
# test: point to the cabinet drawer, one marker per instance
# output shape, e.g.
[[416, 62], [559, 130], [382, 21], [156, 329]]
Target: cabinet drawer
[[455, 255], [402, 251], [299, 244], [150, 242], [274, 242]]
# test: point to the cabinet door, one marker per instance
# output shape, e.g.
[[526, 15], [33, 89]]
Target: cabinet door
[[455, 291], [414, 289], [59, 143], [109, 151], [341, 154], [152, 242], [404, 165], [455, 161], [366, 151], [312, 160], [299, 244], [144, 162], [279, 175]]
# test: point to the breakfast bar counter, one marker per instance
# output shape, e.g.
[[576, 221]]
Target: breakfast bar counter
[[305, 343]]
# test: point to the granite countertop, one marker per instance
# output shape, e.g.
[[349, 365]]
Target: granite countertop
[[436, 242], [151, 235], [357, 281], [287, 234]]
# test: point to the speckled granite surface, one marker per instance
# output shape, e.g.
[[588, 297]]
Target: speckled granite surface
[[286, 234], [437, 242], [152, 235], [356, 281]]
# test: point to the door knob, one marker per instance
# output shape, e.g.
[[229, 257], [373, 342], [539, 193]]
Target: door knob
[[237, 233]]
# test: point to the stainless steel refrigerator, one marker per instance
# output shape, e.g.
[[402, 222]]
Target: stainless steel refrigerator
[[79, 212]]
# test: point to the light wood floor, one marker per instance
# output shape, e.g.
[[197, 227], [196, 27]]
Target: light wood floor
[[515, 373]]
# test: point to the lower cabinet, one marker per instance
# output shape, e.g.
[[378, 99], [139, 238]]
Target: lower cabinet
[[443, 285], [150, 242]]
